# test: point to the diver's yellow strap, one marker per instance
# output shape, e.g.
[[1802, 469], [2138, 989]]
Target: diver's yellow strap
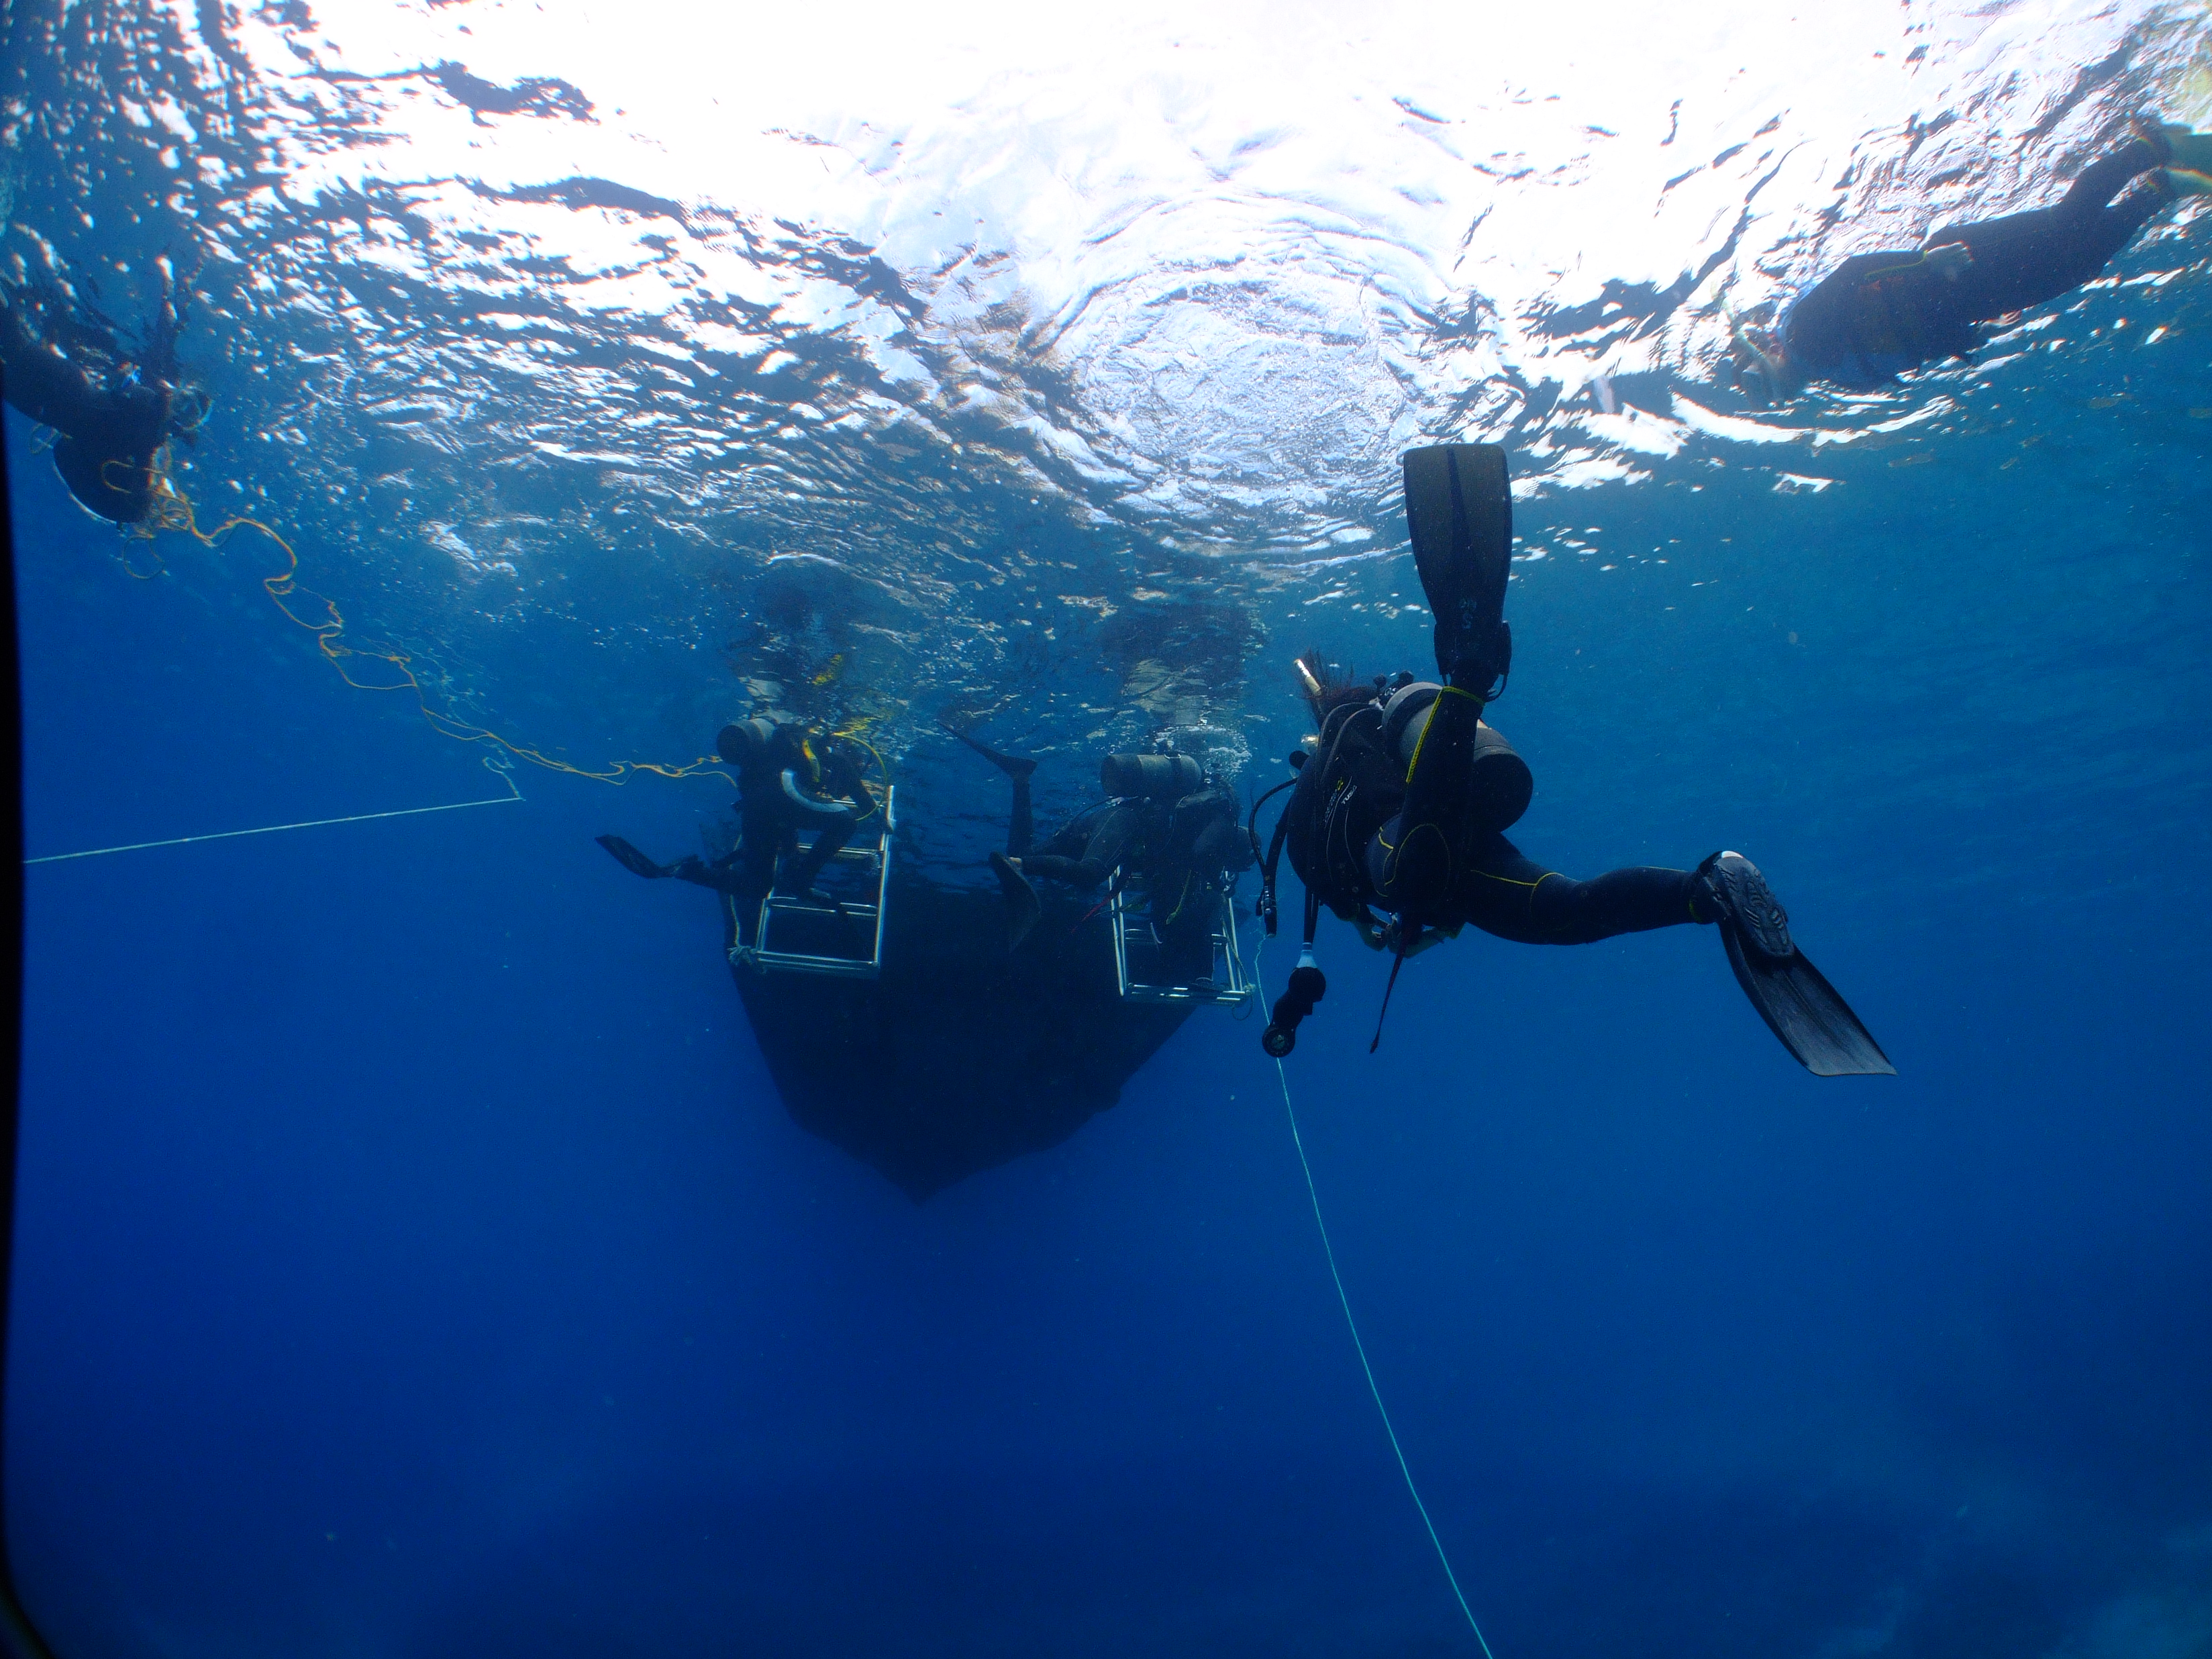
[[1414, 764], [1907, 263]]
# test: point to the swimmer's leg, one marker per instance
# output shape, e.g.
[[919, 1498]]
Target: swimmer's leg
[[799, 873], [2110, 229], [1102, 855], [1515, 897]]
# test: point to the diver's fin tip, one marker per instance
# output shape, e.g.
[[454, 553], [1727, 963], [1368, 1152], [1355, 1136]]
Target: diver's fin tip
[[632, 860], [1807, 1013], [1459, 517], [1014, 766], [1023, 908]]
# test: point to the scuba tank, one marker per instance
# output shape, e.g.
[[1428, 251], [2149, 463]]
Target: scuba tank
[[1151, 777], [746, 743], [1498, 784], [1362, 781]]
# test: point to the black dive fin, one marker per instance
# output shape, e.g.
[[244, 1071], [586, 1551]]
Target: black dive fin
[[1413, 875], [632, 860], [1459, 512], [1023, 908], [1012, 765], [1798, 1004]]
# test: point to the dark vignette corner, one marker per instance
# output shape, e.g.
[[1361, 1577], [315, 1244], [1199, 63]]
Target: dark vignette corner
[[18, 1639]]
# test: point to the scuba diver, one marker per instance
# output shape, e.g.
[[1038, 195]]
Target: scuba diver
[[1878, 314], [66, 367], [1161, 822], [786, 781], [1401, 805]]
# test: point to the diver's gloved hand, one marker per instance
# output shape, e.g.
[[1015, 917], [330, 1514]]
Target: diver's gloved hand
[[1390, 937], [1727, 887]]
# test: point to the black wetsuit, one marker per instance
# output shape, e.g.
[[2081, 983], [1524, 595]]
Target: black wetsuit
[[1503, 891], [114, 415], [1177, 850], [1163, 840], [1880, 314], [1401, 801], [781, 790], [1184, 883], [1343, 821], [1085, 851]]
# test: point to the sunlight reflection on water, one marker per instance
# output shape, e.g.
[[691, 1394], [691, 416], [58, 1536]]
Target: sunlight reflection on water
[[1048, 354]]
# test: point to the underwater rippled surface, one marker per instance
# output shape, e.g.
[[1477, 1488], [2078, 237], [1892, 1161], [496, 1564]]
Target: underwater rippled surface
[[414, 1256]]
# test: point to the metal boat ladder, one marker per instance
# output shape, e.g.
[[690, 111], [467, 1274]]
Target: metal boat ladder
[[814, 922], [1227, 983]]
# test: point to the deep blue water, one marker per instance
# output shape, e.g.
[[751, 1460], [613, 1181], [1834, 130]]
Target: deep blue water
[[414, 1256]]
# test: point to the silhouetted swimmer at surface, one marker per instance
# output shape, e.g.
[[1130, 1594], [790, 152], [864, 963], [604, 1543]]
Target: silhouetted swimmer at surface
[[1160, 821], [114, 408], [1880, 314], [1399, 803], [786, 781]]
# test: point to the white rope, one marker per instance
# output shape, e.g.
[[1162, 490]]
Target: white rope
[[1351, 1324], [506, 776]]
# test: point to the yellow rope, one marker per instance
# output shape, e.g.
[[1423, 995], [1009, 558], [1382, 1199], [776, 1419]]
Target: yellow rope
[[173, 511]]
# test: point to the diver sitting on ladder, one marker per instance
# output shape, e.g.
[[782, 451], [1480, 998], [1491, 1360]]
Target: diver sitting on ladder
[[786, 781], [1162, 823]]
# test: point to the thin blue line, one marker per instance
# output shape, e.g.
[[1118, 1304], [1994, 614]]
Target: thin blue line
[[1351, 1324]]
